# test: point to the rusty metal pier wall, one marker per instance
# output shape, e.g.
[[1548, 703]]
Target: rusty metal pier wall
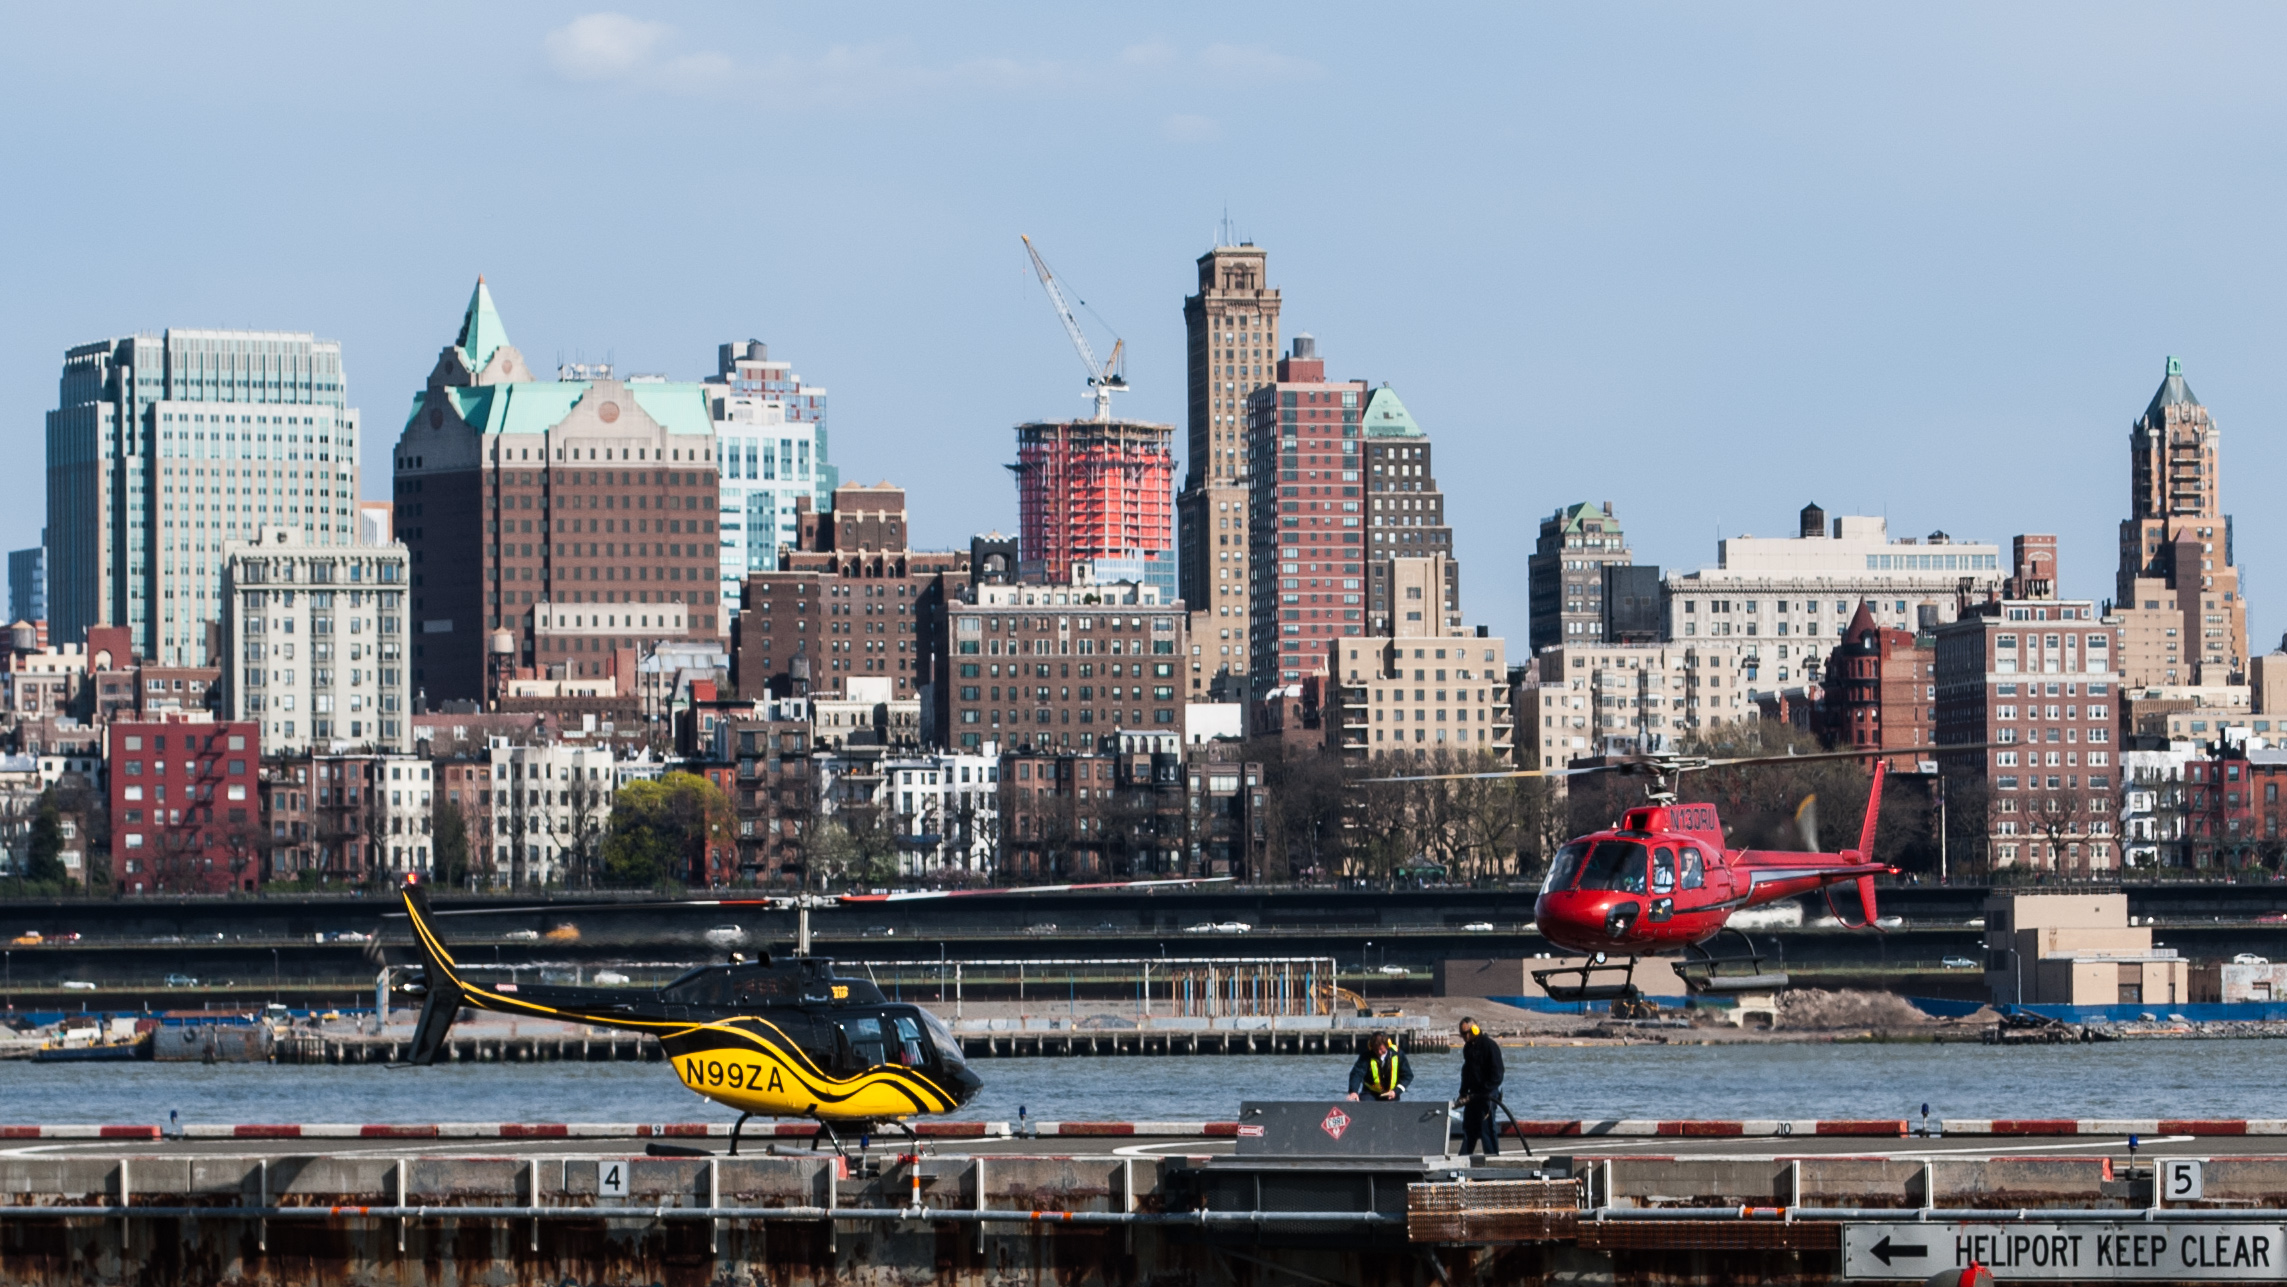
[[803, 1219]]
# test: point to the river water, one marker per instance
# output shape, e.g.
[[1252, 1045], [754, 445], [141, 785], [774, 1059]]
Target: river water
[[2203, 1079]]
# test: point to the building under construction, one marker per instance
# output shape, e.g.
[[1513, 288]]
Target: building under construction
[[1100, 491]]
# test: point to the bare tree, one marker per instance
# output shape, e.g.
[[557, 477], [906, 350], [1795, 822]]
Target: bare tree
[[588, 805]]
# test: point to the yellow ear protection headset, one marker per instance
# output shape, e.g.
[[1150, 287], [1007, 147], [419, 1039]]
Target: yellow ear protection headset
[[1470, 1027]]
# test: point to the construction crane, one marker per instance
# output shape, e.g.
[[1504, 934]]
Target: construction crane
[[1104, 380]]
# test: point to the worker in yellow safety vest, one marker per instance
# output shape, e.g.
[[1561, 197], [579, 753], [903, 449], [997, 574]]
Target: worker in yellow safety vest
[[1382, 1070]]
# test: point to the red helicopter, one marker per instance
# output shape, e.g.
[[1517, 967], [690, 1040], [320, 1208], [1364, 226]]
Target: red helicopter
[[1665, 882]]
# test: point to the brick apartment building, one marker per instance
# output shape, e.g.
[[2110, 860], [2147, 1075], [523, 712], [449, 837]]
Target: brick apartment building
[[1306, 518], [772, 785], [2037, 680], [1118, 811], [1881, 687], [185, 806], [854, 599], [1060, 668]]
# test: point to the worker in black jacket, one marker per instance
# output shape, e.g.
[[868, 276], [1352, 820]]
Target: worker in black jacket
[[1481, 1074], [1382, 1070]]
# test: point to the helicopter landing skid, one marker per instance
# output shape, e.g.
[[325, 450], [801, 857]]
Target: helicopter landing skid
[[827, 1132], [1702, 971], [1591, 981]]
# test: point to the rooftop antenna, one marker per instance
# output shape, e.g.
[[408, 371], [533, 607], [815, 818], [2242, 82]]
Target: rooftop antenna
[[1227, 237]]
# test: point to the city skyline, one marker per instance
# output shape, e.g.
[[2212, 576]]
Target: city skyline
[[1926, 362]]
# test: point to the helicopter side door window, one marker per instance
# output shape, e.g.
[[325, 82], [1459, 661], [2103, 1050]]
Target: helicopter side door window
[[1694, 868], [863, 1044], [911, 1050], [1663, 884]]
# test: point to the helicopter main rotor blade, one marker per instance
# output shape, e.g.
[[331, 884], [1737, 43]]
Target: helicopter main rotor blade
[[1932, 752], [787, 902], [1503, 773], [1690, 764]]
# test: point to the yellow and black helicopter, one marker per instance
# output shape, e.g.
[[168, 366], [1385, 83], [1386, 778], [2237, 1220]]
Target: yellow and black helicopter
[[770, 1037]]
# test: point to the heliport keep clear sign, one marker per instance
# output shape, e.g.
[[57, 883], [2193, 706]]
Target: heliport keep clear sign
[[2128, 1251]]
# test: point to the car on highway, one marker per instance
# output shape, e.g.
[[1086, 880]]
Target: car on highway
[[522, 936], [1201, 928], [1394, 969], [887, 931], [1959, 963], [1478, 927], [2250, 958], [1045, 927], [725, 935], [1233, 927], [610, 978], [29, 938], [78, 985], [180, 981]]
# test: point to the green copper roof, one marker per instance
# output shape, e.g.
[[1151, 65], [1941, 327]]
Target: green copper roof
[[535, 407], [481, 331], [1386, 417], [682, 408], [1569, 518], [2173, 392]]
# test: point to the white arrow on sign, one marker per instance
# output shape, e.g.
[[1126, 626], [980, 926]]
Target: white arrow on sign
[[2130, 1251]]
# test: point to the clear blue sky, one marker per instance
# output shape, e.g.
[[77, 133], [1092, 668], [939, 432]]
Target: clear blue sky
[[1706, 262]]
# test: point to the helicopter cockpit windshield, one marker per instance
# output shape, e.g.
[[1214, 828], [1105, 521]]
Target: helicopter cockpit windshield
[[948, 1049], [1566, 868], [1616, 865]]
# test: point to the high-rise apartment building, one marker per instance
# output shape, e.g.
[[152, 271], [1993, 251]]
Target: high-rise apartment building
[[28, 582], [1306, 516], [772, 431], [1566, 573], [1406, 508], [2177, 590], [314, 642], [2037, 683], [1788, 600], [1232, 331], [854, 601], [1427, 687], [1095, 491], [551, 523], [162, 447]]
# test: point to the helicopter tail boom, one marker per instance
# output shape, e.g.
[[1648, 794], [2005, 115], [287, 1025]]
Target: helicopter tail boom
[[443, 998]]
